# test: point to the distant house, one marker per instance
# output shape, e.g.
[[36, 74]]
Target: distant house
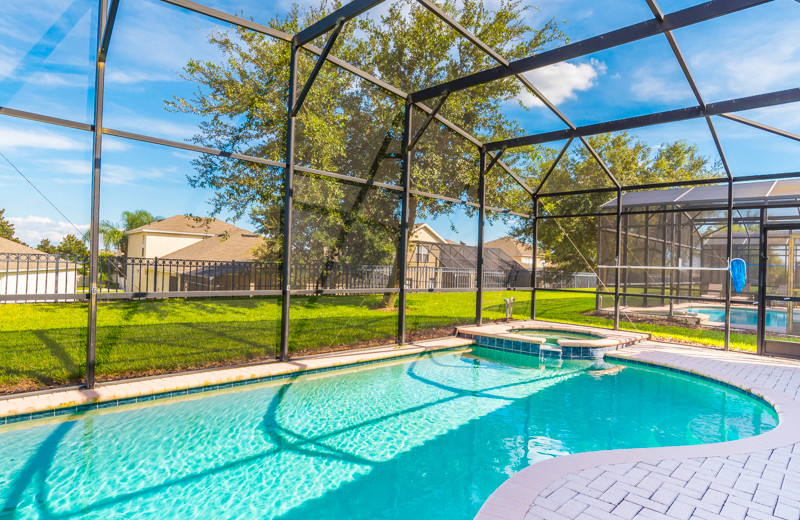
[[435, 262], [183, 253], [25, 271], [521, 252]]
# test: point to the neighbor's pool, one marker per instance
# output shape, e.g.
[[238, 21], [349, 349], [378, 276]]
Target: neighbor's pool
[[428, 438], [553, 335], [743, 316]]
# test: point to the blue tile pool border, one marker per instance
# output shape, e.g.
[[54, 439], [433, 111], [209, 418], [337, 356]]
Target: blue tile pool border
[[81, 408], [708, 379]]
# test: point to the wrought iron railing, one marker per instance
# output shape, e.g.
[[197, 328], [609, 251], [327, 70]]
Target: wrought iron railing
[[44, 274]]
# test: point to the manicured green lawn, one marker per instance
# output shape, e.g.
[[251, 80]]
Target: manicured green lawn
[[44, 344]]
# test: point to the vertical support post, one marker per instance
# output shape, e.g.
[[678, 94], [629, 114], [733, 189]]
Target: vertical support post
[[619, 257], [665, 226], [673, 226], [646, 257], [625, 248], [404, 213], [762, 282], [535, 252], [728, 281], [94, 222], [481, 218], [288, 200], [691, 260], [679, 256]]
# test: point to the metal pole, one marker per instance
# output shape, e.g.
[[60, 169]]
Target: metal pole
[[762, 283], [728, 281], [625, 249], [646, 257], [619, 255], [481, 218], [288, 198], [535, 247], [404, 212], [94, 231]]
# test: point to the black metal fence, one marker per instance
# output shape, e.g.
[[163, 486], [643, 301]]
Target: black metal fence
[[66, 277]]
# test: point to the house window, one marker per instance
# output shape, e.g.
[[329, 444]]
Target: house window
[[527, 260], [422, 254]]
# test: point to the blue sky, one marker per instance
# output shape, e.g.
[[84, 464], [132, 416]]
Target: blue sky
[[46, 66]]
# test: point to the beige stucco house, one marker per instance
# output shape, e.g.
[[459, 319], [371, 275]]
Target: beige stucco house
[[183, 253], [521, 252]]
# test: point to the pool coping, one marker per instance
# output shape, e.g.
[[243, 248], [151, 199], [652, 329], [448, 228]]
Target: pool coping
[[514, 499], [70, 401]]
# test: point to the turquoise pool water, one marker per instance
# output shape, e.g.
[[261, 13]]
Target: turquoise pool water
[[553, 335], [429, 438], [743, 316]]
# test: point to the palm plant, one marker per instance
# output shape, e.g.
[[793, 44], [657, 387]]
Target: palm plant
[[114, 233]]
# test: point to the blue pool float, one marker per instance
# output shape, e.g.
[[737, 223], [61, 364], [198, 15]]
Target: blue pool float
[[738, 270]]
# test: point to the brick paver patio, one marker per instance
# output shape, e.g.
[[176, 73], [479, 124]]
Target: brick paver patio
[[755, 479]]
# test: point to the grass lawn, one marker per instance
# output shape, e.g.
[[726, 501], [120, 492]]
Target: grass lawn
[[44, 344]]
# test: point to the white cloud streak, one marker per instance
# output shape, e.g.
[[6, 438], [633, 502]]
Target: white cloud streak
[[562, 81], [32, 229]]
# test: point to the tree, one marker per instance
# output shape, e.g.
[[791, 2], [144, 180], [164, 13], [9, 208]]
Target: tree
[[114, 234], [351, 126], [7, 228], [571, 244], [72, 246], [46, 247]]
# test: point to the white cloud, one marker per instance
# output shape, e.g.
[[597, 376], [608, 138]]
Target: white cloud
[[123, 77], [123, 118], [758, 56], [562, 81], [120, 174], [32, 229], [12, 138], [650, 85]]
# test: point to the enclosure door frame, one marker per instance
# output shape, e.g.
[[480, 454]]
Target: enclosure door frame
[[773, 347]]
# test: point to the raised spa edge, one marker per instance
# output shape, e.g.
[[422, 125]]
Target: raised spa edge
[[503, 337]]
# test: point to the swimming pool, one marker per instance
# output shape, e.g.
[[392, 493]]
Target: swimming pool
[[431, 437], [553, 335], [743, 316]]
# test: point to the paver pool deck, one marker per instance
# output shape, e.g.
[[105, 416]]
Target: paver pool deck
[[749, 479]]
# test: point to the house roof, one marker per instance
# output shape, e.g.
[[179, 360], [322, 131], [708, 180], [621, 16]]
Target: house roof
[[9, 246], [189, 225], [429, 229], [760, 192], [238, 247], [44, 262], [463, 256], [511, 246]]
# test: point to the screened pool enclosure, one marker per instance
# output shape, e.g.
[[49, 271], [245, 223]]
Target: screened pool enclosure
[[331, 140]]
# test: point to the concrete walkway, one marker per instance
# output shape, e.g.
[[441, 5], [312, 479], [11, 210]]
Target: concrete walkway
[[755, 479]]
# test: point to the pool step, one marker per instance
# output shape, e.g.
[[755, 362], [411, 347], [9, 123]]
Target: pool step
[[549, 351]]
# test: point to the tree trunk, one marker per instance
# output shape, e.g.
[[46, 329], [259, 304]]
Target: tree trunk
[[389, 299]]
